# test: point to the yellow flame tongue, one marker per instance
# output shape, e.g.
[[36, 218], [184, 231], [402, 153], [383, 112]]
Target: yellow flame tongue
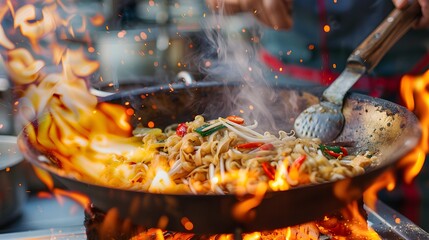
[[71, 123]]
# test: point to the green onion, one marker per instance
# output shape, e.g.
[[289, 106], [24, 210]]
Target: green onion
[[201, 130]]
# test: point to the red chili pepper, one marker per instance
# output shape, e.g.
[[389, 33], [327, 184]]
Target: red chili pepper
[[344, 150], [333, 154], [235, 119], [334, 151], [181, 129], [299, 161], [267, 146], [249, 145], [269, 170]]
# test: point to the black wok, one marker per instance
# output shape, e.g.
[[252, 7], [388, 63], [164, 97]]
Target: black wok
[[371, 124]]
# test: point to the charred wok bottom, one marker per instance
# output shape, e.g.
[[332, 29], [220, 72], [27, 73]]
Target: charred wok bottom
[[101, 225]]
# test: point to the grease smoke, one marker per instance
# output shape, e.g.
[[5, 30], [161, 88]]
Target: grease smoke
[[231, 55]]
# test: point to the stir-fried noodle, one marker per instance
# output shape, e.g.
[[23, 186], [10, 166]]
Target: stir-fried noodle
[[227, 156]]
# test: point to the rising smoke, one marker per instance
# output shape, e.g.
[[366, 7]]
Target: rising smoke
[[230, 54]]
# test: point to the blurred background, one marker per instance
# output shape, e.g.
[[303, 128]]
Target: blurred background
[[141, 43]]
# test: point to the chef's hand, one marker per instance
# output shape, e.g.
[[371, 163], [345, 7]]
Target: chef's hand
[[423, 22], [274, 13]]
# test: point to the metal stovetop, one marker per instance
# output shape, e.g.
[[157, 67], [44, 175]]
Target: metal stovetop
[[47, 218], [50, 218]]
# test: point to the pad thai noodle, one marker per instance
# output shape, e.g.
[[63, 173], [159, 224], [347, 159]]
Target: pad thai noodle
[[226, 155]]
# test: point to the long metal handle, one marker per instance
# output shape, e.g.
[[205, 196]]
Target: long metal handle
[[369, 53], [337, 90]]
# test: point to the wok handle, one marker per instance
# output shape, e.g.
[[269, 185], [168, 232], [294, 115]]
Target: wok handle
[[394, 26]]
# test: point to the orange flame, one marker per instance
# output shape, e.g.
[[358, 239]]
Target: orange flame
[[385, 181], [31, 27], [4, 41], [161, 182], [22, 67], [46, 178], [360, 226], [81, 199], [415, 95], [350, 224], [414, 91], [58, 97]]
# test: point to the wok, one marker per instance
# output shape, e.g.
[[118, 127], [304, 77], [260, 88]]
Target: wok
[[371, 124]]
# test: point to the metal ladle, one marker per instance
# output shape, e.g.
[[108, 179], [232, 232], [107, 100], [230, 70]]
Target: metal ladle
[[326, 120]]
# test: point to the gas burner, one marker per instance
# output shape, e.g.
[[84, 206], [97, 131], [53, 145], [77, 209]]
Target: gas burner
[[46, 218], [386, 223]]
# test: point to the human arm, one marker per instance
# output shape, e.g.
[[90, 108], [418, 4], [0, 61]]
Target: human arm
[[274, 13]]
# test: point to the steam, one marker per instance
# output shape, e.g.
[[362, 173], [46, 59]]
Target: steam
[[231, 55]]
